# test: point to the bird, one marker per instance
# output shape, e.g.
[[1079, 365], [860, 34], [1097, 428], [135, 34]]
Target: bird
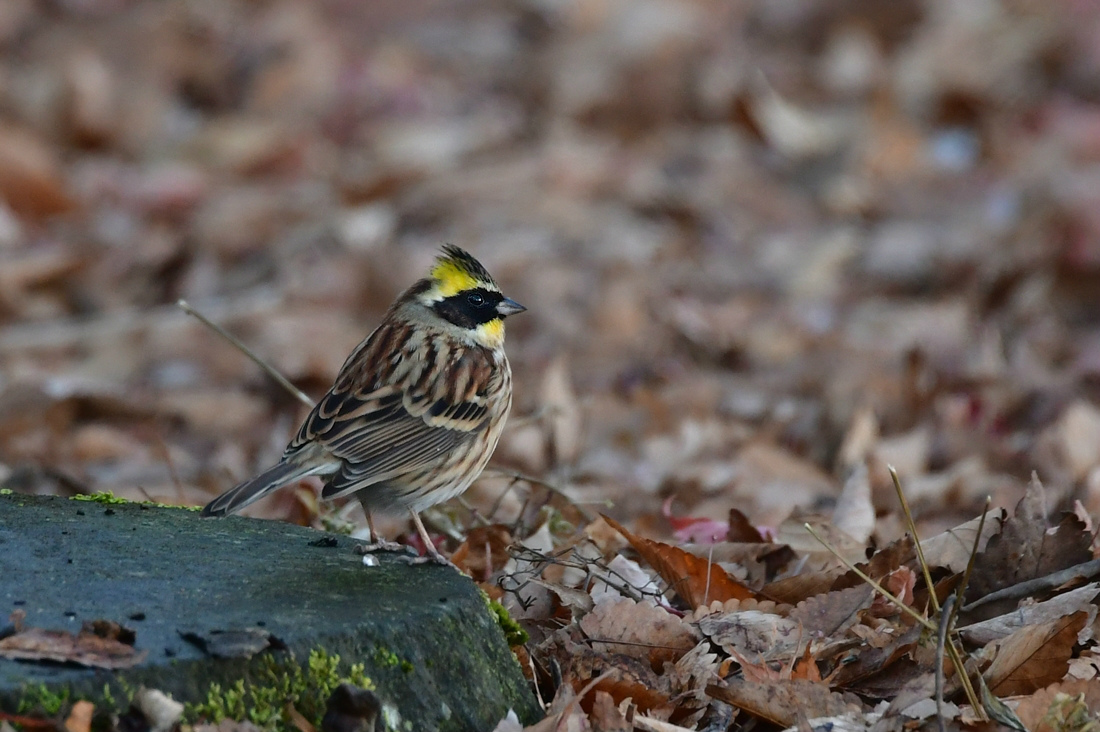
[[415, 411]]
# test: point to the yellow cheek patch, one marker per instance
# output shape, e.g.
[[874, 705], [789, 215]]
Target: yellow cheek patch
[[490, 334], [451, 279]]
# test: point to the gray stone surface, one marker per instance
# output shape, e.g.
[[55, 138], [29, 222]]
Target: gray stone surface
[[166, 572]]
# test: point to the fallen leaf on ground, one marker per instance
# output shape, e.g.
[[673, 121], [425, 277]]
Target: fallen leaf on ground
[[1025, 549], [757, 636], [793, 590], [793, 532], [1065, 699], [1033, 657], [1059, 606], [80, 718], [830, 614], [60, 646], [606, 716], [854, 514], [235, 643], [953, 547], [640, 629], [919, 689], [695, 580], [484, 551], [741, 530], [900, 584], [879, 670], [782, 702]]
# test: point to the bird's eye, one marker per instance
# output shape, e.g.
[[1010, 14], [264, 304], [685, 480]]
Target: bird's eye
[[475, 299]]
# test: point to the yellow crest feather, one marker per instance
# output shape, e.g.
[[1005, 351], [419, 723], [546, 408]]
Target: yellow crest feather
[[452, 278], [457, 270]]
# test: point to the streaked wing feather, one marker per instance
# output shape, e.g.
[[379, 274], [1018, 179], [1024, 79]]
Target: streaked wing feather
[[383, 433]]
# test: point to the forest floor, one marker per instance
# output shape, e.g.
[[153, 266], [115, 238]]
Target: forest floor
[[769, 249]]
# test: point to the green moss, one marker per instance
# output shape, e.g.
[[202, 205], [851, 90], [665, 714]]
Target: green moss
[[559, 525], [513, 631], [387, 658], [278, 685], [39, 700], [6, 491], [109, 698], [107, 498], [336, 525]]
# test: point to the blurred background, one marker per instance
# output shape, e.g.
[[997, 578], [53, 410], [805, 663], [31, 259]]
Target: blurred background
[[761, 242]]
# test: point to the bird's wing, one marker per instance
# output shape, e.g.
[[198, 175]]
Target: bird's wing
[[400, 423]]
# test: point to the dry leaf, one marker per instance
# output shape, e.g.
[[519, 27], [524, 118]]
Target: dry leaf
[[741, 529], [900, 584], [695, 580], [1033, 657], [60, 646], [565, 418], [914, 692], [564, 715], [793, 533], [484, 552], [859, 440], [782, 702], [1067, 603], [623, 677], [952, 548], [805, 667], [1044, 706], [639, 629], [605, 715], [879, 670], [761, 561], [690, 676], [793, 590], [830, 614], [1085, 667], [31, 180], [651, 724], [1025, 549], [885, 561], [854, 514], [80, 718], [756, 636], [578, 601]]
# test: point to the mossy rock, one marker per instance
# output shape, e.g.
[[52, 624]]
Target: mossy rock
[[422, 636]]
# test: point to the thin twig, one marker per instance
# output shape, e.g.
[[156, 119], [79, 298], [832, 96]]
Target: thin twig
[[556, 489], [911, 524], [500, 499], [474, 513], [867, 578], [956, 658], [964, 678], [941, 641], [1084, 571], [973, 552], [236, 342], [960, 667]]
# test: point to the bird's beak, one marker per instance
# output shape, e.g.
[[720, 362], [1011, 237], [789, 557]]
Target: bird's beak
[[508, 306]]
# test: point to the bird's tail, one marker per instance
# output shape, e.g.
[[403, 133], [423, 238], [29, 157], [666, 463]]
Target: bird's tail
[[273, 478]]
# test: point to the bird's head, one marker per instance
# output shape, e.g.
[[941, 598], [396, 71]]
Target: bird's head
[[463, 293]]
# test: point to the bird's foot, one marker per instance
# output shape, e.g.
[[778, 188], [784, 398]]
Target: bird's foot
[[431, 558], [381, 545]]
